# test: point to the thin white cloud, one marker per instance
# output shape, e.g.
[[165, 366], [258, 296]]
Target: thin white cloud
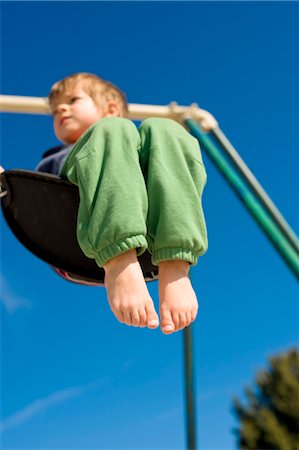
[[10, 300], [43, 404]]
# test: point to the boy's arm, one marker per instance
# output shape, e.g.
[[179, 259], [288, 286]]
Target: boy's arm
[[53, 160]]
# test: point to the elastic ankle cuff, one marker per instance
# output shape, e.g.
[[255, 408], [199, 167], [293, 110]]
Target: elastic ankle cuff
[[164, 254], [123, 245]]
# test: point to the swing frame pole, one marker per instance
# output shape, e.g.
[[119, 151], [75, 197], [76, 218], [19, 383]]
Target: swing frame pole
[[190, 389], [39, 105], [275, 235], [256, 187]]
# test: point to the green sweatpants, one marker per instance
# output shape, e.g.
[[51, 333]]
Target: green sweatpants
[[139, 188]]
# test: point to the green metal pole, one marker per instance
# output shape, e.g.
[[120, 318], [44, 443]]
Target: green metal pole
[[189, 390], [255, 186], [254, 207]]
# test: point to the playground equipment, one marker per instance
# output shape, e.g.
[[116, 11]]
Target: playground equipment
[[72, 265]]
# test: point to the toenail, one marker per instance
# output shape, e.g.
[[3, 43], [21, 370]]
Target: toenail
[[153, 322], [168, 328]]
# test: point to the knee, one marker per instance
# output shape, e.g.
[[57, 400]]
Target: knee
[[169, 128], [157, 123], [164, 132], [108, 125]]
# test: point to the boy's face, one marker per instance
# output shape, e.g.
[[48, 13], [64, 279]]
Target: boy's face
[[75, 111]]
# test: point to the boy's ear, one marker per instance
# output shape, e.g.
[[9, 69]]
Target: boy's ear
[[113, 109]]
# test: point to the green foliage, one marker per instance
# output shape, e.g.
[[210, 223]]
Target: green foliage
[[270, 420]]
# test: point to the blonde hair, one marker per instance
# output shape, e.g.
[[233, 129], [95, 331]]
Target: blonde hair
[[99, 90]]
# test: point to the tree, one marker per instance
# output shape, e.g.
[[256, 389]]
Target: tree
[[270, 420]]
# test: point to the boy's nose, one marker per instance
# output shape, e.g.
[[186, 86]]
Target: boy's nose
[[62, 107]]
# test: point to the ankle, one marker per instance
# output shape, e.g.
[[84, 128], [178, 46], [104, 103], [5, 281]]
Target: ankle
[[176, 266], [120, 261]]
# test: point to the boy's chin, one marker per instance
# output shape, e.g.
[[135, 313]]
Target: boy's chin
[[70, 139]]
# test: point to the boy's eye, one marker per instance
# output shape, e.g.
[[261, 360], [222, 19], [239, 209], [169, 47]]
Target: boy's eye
[[74, 99], [65, 101]]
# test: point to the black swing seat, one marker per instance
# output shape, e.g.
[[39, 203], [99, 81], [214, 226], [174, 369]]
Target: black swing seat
[[41, 210]]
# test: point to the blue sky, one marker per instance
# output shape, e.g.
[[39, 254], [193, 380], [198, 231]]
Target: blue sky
[[72, 376]]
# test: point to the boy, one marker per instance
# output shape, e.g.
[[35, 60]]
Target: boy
[[139, 188]]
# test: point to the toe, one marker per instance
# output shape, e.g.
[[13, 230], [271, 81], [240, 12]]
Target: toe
[[176, 321], [118, 314], [152, 317], [127, 317], [142, 316], [194, 314], [167, 325], [189, 318], [183, 322], [135, 319]]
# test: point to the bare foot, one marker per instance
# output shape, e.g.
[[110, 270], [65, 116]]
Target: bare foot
[[178, 302], [127, 293]]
